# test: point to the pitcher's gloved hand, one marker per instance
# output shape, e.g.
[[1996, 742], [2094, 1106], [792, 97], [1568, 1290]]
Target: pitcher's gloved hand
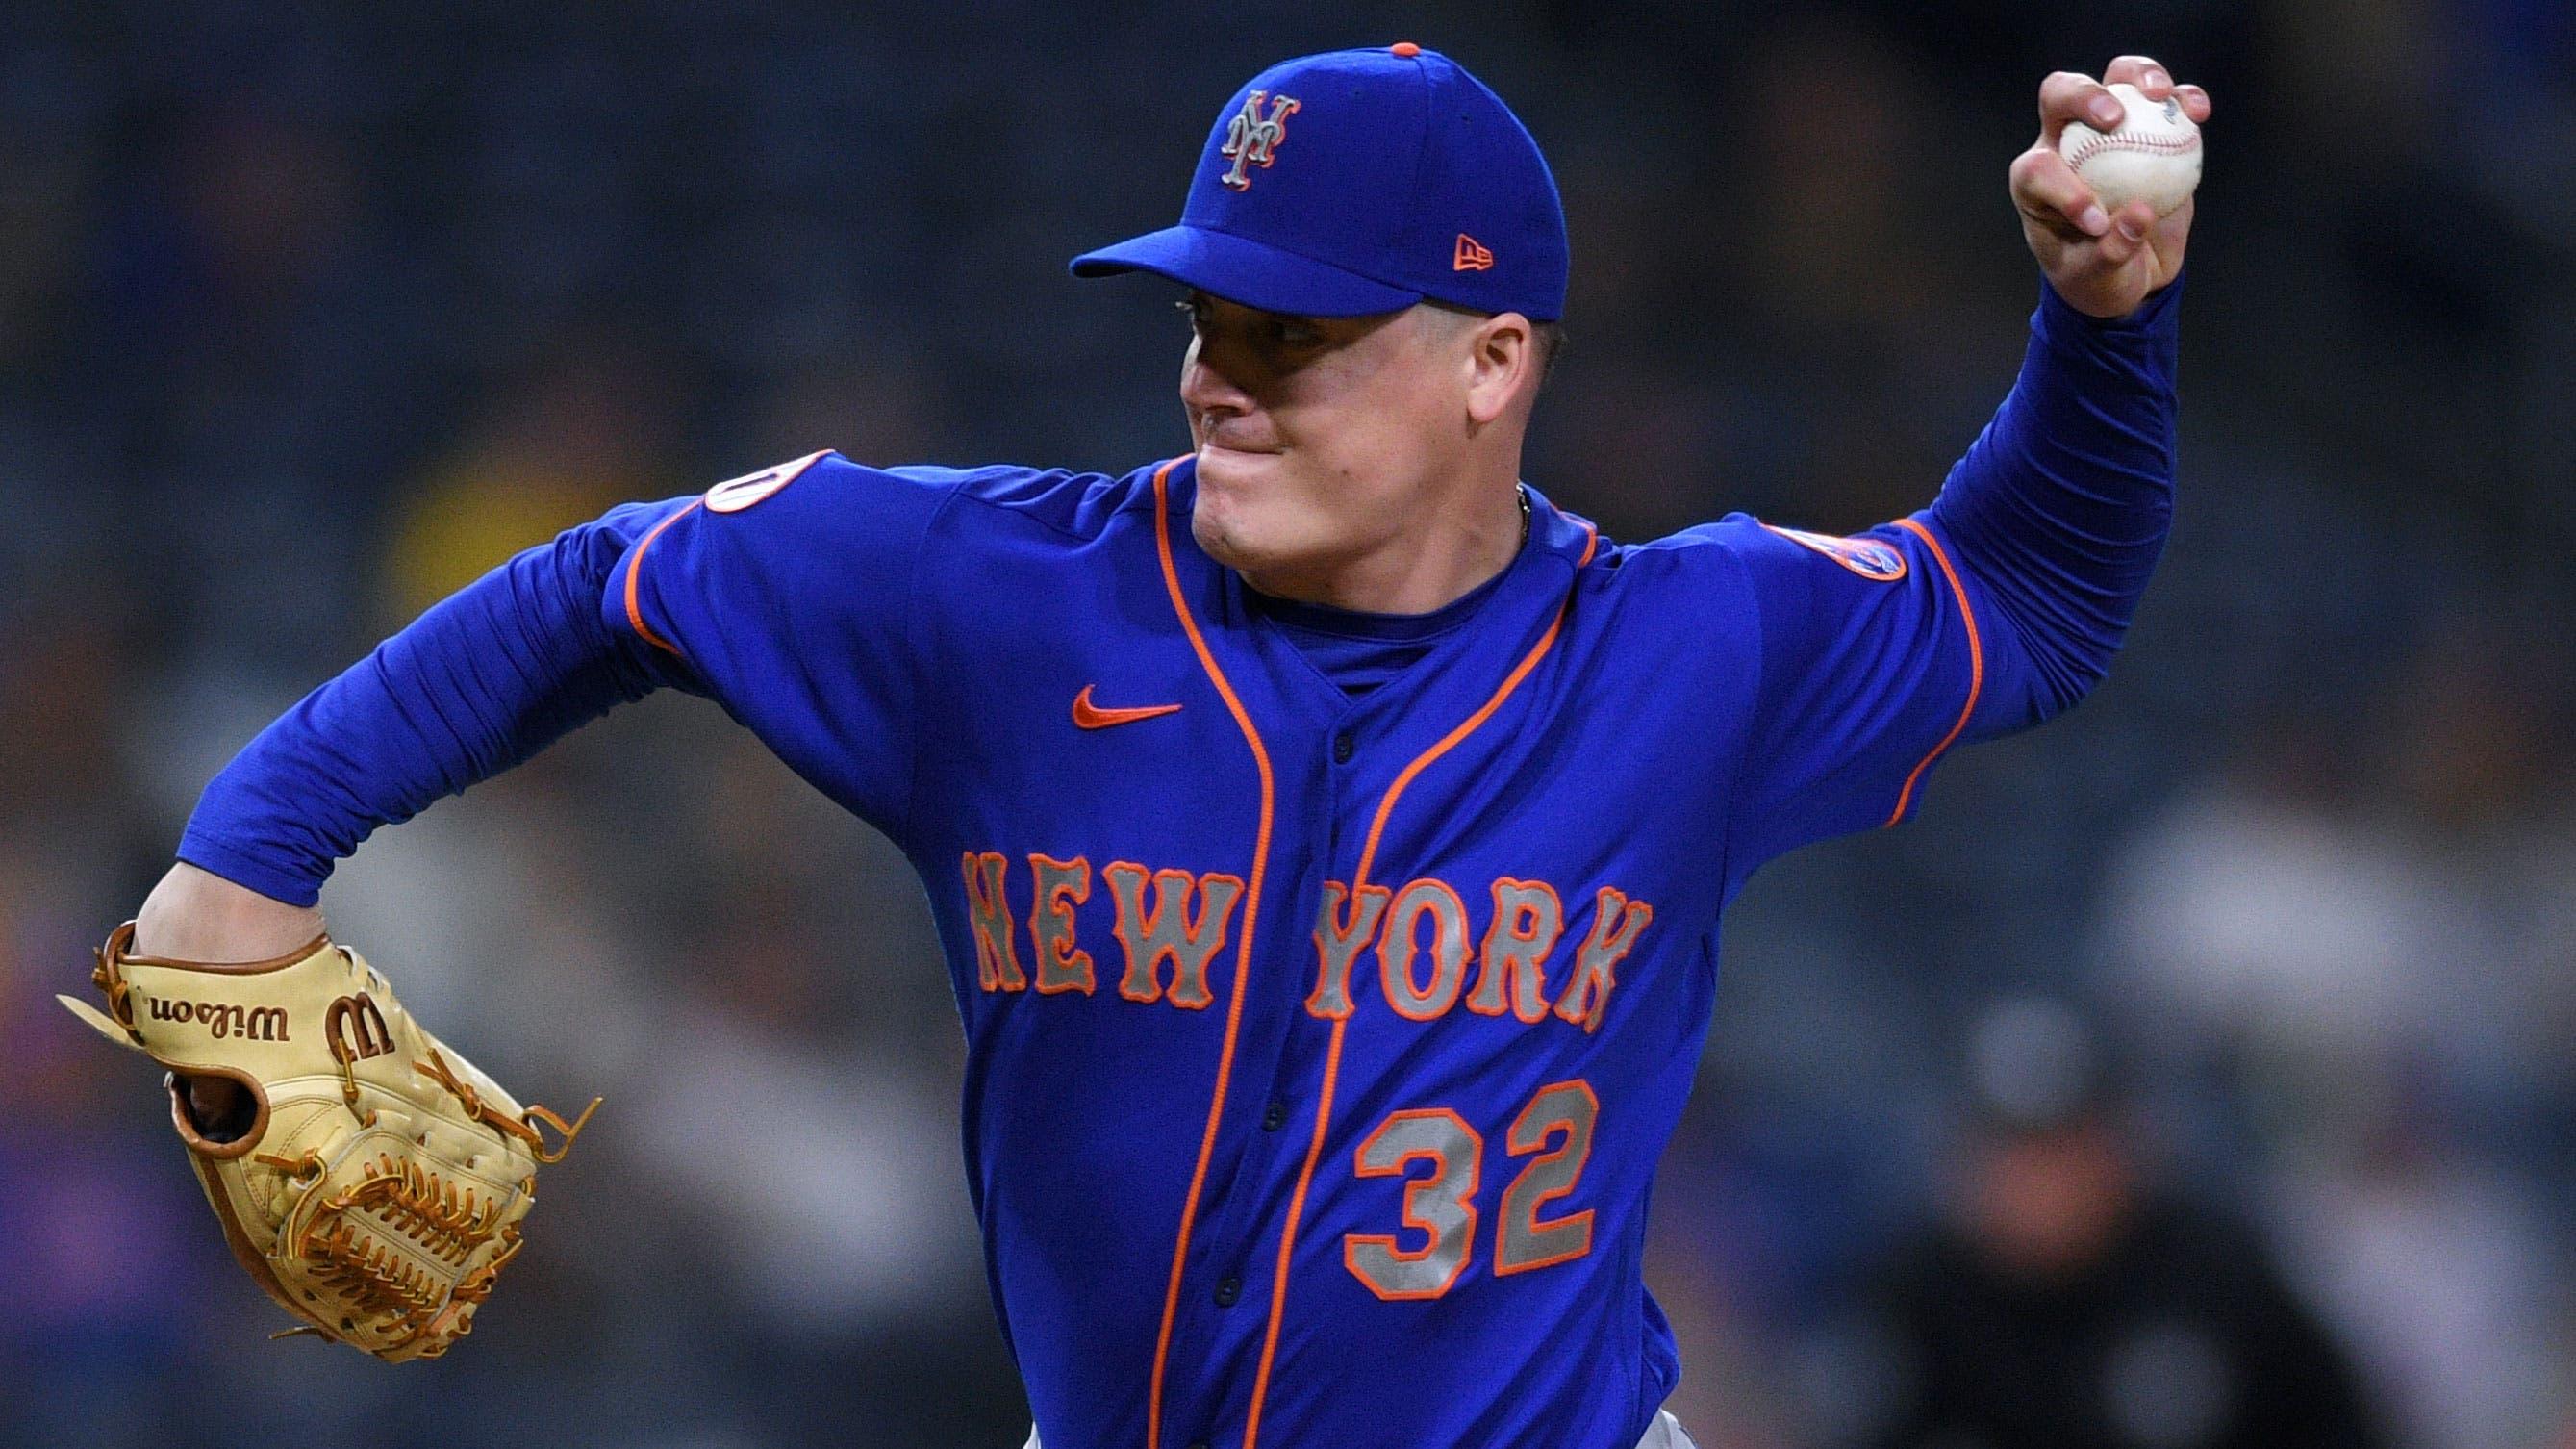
[[370, 1179]]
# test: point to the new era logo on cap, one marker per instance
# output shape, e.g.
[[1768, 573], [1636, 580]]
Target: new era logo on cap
[[1408, 180]]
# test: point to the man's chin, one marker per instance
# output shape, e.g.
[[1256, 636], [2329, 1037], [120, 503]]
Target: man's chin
[[1241, 516], [1237, 542], [1220, 541]]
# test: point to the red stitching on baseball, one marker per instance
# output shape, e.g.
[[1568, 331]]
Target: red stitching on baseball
[[2097, 143]]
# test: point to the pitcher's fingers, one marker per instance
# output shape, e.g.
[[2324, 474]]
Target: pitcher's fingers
[[2113, 248], [2145, 72], [2048, 191], [2195, 103], [2072, 96]]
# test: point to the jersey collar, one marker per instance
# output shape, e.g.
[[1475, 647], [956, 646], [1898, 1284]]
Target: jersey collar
[[1528, 597]]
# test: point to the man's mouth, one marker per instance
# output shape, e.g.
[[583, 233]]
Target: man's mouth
[[1225, 434]]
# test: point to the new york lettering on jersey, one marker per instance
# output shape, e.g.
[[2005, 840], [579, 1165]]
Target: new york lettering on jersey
[[1298, 1022]]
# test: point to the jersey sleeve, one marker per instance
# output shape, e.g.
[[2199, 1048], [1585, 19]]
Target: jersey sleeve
[[1994, 609], [789, 597], [483, 680], [1872, 662]]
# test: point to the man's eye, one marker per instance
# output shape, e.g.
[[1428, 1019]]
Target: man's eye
[[1295, 334]]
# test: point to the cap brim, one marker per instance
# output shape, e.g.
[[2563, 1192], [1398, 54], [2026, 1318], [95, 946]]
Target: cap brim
[[1251, 273]]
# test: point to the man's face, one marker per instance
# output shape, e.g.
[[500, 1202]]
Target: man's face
[[1319, 437]]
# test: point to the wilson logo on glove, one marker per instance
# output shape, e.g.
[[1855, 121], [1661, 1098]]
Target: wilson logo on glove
[[357, 1029], [265, 1023]]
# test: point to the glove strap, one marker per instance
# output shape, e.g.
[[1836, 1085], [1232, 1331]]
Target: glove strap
[[111, 984], [521, 1127], [569, 1130]]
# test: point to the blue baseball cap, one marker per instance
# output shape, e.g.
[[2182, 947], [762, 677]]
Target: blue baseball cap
[[1363, 181]]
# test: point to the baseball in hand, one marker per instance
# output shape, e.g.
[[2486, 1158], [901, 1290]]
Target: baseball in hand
[[2154, 157]]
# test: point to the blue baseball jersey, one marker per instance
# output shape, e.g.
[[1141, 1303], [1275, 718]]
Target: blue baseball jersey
[[1321, 1049], [1322, 1041]]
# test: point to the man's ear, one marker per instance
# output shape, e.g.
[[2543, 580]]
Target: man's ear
[[1502, 363]]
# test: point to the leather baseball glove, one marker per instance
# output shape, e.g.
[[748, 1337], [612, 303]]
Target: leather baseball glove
[[374, 1181]]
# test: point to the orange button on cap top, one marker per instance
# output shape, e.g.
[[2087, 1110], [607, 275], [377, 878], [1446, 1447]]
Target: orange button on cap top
[[1406, 48]]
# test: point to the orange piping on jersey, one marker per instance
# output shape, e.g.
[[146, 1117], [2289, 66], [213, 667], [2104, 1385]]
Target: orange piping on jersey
[[1242, 959], [635, 566], [1473, 723], [1976, 667], [1288, 1234], [1333, 1048]]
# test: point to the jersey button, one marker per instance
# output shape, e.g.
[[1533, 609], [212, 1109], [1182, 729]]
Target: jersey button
[[1274, 1116], [1342, 748], [1228, 1289]]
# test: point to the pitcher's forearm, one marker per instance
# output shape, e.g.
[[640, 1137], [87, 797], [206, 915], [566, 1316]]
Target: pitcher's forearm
[[486, 678], [2061, 507], [195, 915]]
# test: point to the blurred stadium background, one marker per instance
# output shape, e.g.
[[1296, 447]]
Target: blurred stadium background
[[310, 312]]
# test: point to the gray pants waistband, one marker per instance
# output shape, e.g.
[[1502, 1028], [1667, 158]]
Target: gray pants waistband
[[1664, 1433]]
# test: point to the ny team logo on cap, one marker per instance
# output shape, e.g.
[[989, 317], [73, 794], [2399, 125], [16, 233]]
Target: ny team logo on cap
[[1250, 140]]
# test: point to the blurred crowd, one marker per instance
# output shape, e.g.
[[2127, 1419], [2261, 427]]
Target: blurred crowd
[[310, 313]]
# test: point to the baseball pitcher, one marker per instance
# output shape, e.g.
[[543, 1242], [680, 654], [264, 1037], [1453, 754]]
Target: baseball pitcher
[[1327, 832]]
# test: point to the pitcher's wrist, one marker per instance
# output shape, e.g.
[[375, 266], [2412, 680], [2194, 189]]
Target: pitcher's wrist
[[196, 915]]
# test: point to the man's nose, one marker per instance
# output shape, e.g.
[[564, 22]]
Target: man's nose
[[1207, 387]]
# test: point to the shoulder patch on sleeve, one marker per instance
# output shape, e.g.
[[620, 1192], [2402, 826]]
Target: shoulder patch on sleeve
[[736, 494], [1871, 558]]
